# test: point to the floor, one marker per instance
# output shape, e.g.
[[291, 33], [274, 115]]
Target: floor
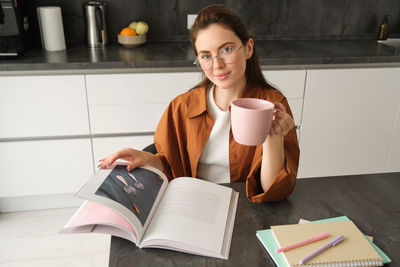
[[31, 239]]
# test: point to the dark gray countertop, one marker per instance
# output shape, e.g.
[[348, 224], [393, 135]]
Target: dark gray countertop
[[155, 55], [370, 201]]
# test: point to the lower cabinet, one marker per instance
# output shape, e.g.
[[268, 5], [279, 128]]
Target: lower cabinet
[[105, 146], [291, 84], [350, 122], [34, 169], [393, 162], [43, 106], [133, 102], [45, 146]]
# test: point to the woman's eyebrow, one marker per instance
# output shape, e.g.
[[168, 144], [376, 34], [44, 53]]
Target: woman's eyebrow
[[224, 44]]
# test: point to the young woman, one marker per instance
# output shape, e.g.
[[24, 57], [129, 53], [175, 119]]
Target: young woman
[[193, 137]]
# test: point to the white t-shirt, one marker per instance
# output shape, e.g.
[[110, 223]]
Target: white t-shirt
[[214, 160]]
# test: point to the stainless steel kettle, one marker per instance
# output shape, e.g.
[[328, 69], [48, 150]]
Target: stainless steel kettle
[[95, 20]]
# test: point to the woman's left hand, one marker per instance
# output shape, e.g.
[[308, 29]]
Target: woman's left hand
[[282, 122]]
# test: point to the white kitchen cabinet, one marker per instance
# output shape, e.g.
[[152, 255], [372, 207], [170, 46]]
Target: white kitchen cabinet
[[105, 146], [348, 121], [133, 103], [45, 146], [393, 162], [126, 108], [43, 168], [39, 106], [291, 84]]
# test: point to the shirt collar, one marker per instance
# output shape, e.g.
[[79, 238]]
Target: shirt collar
[[197, 102]]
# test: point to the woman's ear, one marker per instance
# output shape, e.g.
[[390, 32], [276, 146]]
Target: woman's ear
[[249, 48]]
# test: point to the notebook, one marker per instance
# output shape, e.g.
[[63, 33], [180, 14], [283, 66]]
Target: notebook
[[268, 241], [354, 249]]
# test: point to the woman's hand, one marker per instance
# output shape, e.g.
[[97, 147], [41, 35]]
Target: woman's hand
[[136, 158], [282, 122]]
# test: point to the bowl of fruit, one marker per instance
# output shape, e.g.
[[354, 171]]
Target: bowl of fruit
[[134, 34]]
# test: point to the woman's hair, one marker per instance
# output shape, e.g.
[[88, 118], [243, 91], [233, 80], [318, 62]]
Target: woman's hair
[[218, 14]]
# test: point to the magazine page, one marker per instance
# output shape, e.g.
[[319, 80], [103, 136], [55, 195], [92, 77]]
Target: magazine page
[[93, 217], [134, 195], [193, 217]]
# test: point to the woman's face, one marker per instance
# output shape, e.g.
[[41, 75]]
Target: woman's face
[[223, 57]]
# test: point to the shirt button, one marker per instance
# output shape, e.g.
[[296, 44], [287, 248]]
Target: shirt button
[[233, 156]]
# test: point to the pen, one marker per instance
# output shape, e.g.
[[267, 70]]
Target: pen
[[302, 243], [332, 243]]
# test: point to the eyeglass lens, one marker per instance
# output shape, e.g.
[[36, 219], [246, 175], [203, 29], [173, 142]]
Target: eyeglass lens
[[227, 54]]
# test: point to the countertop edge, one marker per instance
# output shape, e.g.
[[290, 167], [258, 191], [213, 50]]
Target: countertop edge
[[190, 69]]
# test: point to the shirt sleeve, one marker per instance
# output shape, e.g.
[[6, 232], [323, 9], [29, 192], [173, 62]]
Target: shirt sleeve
[[285, 180]]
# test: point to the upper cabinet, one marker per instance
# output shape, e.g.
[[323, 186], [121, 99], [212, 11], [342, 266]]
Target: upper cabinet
[[133, 103], [349, 123], [43, 106]]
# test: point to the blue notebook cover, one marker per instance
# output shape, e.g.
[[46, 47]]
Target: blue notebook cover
[[267, 239]]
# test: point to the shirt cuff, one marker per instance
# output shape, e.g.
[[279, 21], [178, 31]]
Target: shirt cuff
[[282, 187]]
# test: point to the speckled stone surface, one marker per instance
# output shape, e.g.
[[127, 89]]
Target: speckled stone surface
[[180, 55], [370, 201], [266, 19]]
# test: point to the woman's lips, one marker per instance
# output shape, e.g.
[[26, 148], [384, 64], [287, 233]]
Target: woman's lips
[[222, 76]]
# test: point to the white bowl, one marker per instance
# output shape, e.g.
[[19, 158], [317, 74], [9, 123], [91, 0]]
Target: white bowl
[[131, 41]]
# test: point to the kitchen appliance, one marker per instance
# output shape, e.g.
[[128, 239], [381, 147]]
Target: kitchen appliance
[[95, 20], [11, 29]]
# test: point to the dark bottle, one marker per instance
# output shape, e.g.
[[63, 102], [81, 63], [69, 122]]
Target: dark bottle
[[384, 28]]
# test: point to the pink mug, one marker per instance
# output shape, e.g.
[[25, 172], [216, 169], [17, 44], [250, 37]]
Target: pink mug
[[251, 120]]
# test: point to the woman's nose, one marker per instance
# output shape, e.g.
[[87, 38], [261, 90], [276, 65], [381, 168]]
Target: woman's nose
[[218, 62]]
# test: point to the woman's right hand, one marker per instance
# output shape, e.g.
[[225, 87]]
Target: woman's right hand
[[136, 158]]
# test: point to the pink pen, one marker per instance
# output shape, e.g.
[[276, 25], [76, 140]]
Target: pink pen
[[302, 243]]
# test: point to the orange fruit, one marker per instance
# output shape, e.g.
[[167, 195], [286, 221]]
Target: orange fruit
[[127, 32]]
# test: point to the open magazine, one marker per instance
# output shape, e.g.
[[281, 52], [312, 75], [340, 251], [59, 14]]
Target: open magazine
[[185, 214]]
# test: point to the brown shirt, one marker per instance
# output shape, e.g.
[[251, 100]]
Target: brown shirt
[[184, 129]]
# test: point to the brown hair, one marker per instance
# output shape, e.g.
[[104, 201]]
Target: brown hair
[[218, 14]]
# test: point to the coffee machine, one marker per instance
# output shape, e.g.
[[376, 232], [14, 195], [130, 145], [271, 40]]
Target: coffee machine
[[11, 29]]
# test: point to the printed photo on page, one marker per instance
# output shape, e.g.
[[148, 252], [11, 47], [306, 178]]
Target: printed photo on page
[[136, 190]]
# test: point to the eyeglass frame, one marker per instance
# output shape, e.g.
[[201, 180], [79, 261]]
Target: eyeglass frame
[[218, 56]]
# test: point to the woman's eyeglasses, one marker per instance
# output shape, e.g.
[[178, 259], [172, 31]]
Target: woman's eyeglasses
[[227, 54]]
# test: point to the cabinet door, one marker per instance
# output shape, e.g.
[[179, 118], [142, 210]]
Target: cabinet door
[[43, 106], [32, 168], [348, 120], [133, 103], [291, 84], [393, 162], [105, 146]]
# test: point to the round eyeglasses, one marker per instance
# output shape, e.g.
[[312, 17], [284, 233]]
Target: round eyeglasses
[[227, 54]]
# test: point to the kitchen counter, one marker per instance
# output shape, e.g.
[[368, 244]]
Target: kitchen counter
[[155, 56]]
